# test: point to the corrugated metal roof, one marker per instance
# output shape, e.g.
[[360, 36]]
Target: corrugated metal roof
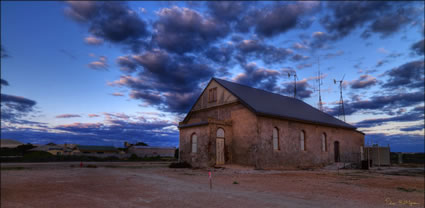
[[271, 104]]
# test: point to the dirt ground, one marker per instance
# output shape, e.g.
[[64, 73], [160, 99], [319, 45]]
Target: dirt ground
[[136, 184]]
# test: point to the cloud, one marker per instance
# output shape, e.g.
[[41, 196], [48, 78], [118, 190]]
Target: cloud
[[347, 16], [398, 142], [384, 18], [13, 108], [419, 127], [92, 115], [365, 81], [227, 11], [68, 116], [4, 82], [258, 49], [115, 22], [91, 40], [298, 57], [390, 23], [182, 30], [418, 47], [303, 89], [280, 18], [220, 55], [258, 77], [100, 64], [381, 62], [409, 75], [332, 55], [302, 66], [381, 103], [166, 75], [117, 94], [127, 64], [299, 46], [414, 115]]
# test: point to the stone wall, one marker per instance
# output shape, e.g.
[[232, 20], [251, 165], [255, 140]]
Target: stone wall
[[248, 140], [290, 153]]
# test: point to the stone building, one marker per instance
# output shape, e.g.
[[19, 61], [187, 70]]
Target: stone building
[[236, 124]]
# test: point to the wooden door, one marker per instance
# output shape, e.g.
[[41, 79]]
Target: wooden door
[[336, 151], [219, 151]]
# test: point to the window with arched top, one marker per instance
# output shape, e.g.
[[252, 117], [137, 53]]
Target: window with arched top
[[324, 143], [220, 133], [302, 140], [194, 142], [275, 139]]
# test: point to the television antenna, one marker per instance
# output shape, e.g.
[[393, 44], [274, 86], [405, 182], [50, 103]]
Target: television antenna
[[320, 83], [341, 101], [294, 74]]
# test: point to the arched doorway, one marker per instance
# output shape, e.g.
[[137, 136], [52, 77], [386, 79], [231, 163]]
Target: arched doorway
[[336, 151], [219, 145]]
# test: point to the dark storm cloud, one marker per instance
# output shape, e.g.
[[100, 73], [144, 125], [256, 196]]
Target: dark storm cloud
[[382, 103], [384, 18], [365, 81], [258, 49], [413, 115], [4, 82], [166, 77], [410, 75], [13, 108], [347, 16], [182, 30], [303, 89], [418, 47], [115, 129], [227, 11], [220, 55], [258, 77], [68, 116], [127, 64], [279, 18], [111, 21]]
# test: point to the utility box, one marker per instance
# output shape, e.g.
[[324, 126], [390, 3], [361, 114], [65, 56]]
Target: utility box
[[378, 155]]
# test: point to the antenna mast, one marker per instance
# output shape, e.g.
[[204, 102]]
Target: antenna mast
[[295, 82], [341, 101], [320, 83]]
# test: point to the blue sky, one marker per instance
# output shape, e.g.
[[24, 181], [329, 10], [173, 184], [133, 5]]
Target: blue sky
[[104, 73]]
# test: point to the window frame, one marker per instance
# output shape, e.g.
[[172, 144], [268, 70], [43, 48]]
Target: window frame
[[276, 146], [303, 146], [212, 95], [192, 149], [324, 142]]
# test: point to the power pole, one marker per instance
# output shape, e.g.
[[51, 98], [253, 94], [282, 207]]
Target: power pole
[[341, 101], [320, 83]]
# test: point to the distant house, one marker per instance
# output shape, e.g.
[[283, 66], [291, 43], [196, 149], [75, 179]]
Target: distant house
[[9, 143], [92, 149], [235, 124], [51, 148], [148, 151]]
